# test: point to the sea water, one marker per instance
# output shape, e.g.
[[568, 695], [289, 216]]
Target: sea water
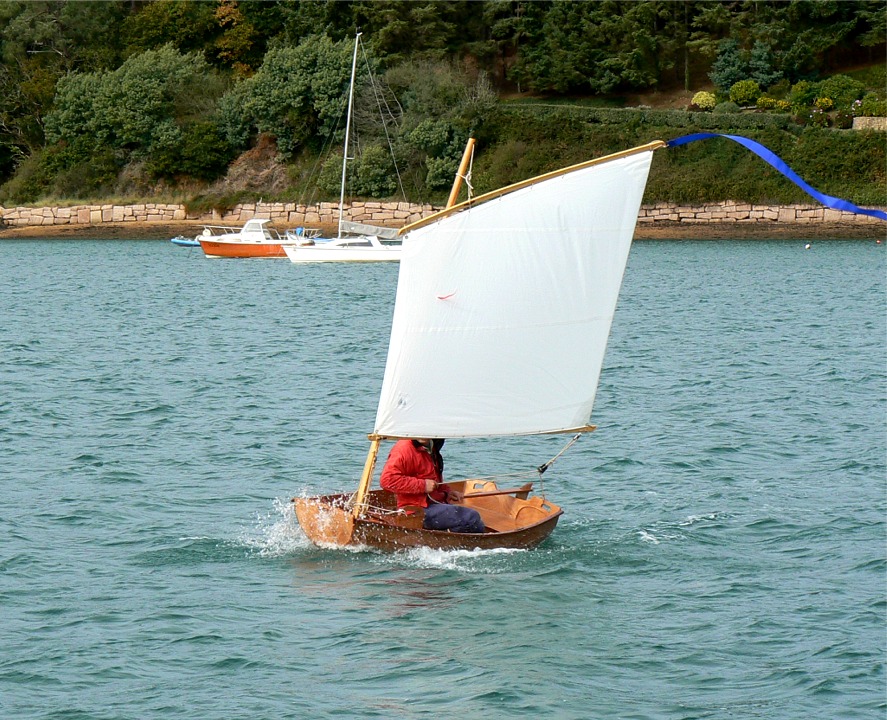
[[721, 555]]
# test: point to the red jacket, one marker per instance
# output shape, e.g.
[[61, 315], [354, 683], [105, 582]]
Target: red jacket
[[408, 466]]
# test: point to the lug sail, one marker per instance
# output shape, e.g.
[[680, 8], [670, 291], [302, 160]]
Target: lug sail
[[503, 310]]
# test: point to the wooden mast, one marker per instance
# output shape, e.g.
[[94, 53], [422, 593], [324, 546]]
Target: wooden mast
[[366, 476], [460, 173]]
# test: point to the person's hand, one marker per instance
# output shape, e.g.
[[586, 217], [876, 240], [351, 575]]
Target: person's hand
[[454, 496], [430, 486]]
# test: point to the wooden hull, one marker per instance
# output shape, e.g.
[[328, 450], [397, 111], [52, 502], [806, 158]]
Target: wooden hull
[[512, 522], [215, 249]]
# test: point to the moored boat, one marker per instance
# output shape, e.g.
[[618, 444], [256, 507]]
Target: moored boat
[[354, 242], [253, 240], [183, 241]]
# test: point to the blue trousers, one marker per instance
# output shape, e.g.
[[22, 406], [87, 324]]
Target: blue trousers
[[455, 518]]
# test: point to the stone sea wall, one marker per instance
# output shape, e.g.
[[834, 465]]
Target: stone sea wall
[[731, 212], [281, 214], [287, 215]]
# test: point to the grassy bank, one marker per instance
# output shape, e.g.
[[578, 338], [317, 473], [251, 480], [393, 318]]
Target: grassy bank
[[845, 163]]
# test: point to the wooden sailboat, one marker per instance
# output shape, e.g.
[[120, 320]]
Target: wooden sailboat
[[503, 309]]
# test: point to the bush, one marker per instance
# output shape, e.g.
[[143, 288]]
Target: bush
[[844, 119], [772, 105], [780, 90], [823, 103], [374, 173], [870, 106], [726, 107], [29, 182], [199, 151], [92, 178], [745, 92], [842, 89], [820, 118], [704, 100], [803, 93]]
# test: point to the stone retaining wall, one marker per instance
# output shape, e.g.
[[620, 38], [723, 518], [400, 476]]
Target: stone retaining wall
[[287, 215], [870, 123], [282, 214], [731, 212]]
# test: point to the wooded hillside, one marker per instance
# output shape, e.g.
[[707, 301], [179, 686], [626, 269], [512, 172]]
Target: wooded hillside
[[206, 101]]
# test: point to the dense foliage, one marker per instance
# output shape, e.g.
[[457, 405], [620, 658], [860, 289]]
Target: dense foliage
[[145, 96]]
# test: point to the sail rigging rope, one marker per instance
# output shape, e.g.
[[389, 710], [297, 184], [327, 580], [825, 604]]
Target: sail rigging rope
[[779, 164], [380, 98], [537, 472]]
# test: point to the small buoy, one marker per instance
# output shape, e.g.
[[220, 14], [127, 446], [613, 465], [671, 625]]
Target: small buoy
[[808, 246], [877, 242]]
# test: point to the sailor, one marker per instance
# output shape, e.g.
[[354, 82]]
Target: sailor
[[414, 473]]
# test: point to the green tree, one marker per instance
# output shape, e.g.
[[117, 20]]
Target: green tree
[[298, 94], [729, 66], [596, 47], [137, 109], [40, 41]]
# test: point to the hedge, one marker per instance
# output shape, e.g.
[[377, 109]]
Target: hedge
[[532, 139]]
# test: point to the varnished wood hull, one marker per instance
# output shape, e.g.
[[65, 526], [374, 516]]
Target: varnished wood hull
[[512, 523]]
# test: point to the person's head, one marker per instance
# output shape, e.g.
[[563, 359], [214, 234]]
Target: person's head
[[424, 442]]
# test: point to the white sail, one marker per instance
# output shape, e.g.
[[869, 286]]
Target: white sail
[[503, 310]]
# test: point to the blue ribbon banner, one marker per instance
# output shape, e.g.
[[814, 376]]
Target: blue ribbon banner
[[775, 161]]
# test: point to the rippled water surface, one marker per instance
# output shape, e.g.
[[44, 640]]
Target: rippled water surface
[[722, 554]]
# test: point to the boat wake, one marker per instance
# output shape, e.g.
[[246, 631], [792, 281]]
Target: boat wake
[[465, 561], [276, 533]]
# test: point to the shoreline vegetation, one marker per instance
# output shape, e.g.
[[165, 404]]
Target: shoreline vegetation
[[223, 102]]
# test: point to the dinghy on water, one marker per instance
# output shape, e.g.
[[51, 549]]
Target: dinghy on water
[[503, 310]]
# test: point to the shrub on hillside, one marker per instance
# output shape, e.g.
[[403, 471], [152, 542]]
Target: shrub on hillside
[[745, 92], [842, 89], [803, 93], [765, 102], [726, 107], [199, 151], [844, 119], [819, 118], [870, 106], [375, 173], [704, 100]]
